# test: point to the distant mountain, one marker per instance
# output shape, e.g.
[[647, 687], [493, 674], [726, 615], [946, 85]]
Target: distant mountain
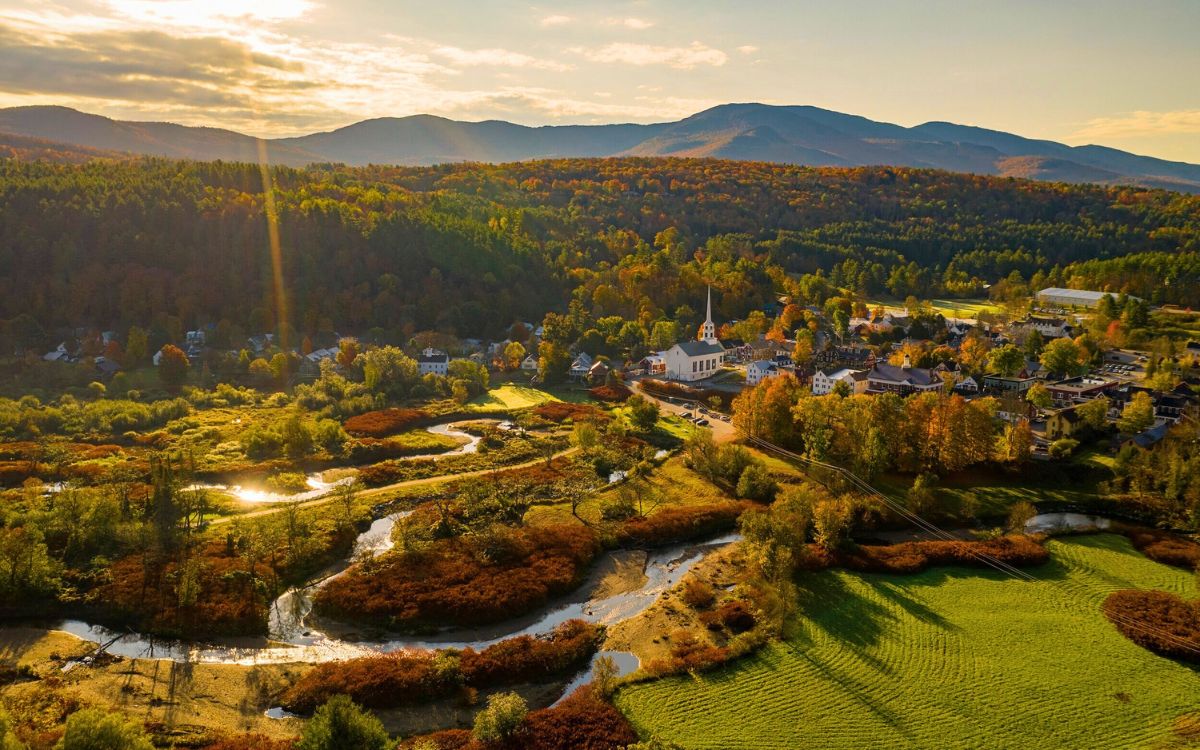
[[791, 134]]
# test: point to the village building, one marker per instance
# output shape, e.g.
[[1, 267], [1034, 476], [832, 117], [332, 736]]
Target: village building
[[580, 367], [696, 360], [1063, 423], [1051, 328], [903, 379], [760, 370], [433, 362], [824, 381], [1059, 297], [1078, 390], [530, 363]]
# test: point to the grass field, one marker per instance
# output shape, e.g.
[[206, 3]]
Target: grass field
[[950, 658], [509, 397], [951, 308]]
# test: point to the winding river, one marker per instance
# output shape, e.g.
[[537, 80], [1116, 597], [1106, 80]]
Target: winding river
[[318, 486], [293, 638]]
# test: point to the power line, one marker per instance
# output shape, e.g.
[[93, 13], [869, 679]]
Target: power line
[[983, 557]]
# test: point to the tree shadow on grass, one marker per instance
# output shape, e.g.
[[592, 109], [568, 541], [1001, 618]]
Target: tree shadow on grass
[[843, 613], [896, 593], [858, 692]]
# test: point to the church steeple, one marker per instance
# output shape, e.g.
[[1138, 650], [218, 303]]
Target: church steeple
[[708, 331]]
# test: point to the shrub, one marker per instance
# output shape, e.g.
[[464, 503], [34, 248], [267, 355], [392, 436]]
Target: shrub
[[734, 616], [1063, 447], [528, 659], [610, 393], [384, 422], [1157, 620], [341, 725], [1166, 548], [501, 719], [391, 680], [449, 584], [561, 411], [680, 523], [756, 484], [913, 557], [93, 729], [698, 593]]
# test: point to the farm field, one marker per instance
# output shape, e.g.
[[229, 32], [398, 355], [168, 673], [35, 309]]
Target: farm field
[[950, 658]]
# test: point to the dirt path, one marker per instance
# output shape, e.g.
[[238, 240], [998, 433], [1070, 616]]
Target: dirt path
[[373, 491]]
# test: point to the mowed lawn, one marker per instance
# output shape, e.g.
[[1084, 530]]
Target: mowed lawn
[[951, 658], [951, 308], [509, 397]]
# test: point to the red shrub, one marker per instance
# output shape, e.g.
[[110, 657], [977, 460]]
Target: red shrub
[[610, 393], [678, 523], [561, 411], [391, 680], [734, 616], [13, 473], [580, 722], [1157, 620], [384, 422], [382, 681], [913, 557], [449, 584], [689, 654], [526, 659], [1166, 548], [691, 393]]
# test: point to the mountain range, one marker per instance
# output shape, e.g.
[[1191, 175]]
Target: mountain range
[[787, 134]]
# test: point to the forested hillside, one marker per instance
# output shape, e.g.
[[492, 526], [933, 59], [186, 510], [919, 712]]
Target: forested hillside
[[470, 248]]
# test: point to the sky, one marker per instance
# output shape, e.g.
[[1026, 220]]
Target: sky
[[1122, 74]]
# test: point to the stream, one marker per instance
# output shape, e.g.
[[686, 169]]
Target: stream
[[318, 486], [294, 639]]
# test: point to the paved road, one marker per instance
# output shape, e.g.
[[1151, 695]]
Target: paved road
[[723, 432], [371, 492]]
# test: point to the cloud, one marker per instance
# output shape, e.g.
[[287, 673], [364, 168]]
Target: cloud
[[1141, 123], [638, 24], [495, 57], [747, 49], [682, 58], [209, 13], [549, 21]]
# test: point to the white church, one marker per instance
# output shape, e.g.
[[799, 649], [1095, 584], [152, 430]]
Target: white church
[[699, 359]]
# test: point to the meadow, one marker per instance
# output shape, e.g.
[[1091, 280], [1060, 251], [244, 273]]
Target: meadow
[[948, 658]]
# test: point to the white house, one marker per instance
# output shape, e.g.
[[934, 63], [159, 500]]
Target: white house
[[433, 361], [60, 354], [581, 366], [1051, 328], [760, 370], [530, 363], [696, 360], [824, 381]]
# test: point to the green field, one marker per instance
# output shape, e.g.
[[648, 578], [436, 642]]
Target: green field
[[951, 308], [950, 658], [509, 397]]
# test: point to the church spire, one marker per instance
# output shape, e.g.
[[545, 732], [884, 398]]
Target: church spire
[[708, 331]]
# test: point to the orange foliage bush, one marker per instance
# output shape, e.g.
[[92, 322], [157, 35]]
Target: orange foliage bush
[[451, 584], [391, 680], [581, 722], [1166, 548], [734, 616], [678, 523], [1157, 620], [561, 411], [526, 658], [689, 654], [913, 557], [384, 422], [610, 393]]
